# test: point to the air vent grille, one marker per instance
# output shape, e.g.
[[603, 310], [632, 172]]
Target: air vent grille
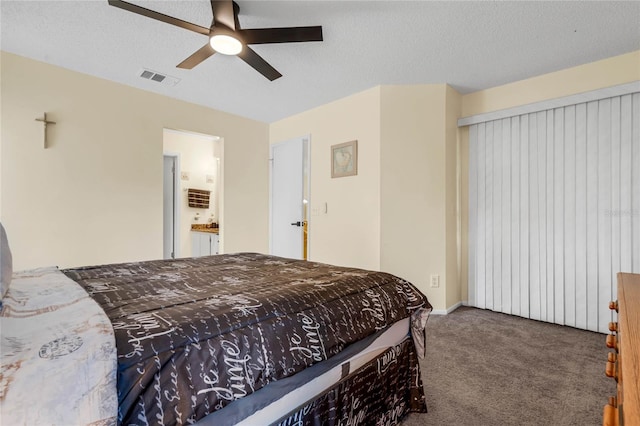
[[164, 79], [158, 77]]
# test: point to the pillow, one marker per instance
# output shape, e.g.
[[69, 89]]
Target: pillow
[[6, 265]]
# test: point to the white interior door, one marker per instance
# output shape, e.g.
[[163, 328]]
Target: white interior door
[[287, 192], [169, 207]]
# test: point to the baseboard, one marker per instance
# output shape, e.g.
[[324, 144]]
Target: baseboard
[[446, 311]]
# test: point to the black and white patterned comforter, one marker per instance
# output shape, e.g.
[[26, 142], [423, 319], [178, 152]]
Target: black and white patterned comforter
[[195, 334]]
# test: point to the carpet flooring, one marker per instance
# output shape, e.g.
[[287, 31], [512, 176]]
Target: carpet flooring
[[487, 368]]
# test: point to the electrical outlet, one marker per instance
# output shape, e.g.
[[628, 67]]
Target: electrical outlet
[[435, 281]]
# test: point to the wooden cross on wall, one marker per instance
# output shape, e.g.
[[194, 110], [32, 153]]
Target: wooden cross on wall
[[45, 122]]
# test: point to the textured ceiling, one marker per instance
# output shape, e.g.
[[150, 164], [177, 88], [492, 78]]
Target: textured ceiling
[[469, 45]]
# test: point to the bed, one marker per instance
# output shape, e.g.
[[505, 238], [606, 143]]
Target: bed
[[246, 339]]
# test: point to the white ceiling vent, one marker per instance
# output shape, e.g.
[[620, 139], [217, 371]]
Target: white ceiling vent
[[164, 79]]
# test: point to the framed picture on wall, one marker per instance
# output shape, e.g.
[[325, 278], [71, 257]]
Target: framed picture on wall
[[344, 159]]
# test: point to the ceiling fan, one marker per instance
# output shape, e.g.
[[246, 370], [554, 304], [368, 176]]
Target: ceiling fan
[[226, 36]]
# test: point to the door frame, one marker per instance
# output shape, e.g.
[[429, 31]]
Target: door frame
[[306, 158], [176, 203]]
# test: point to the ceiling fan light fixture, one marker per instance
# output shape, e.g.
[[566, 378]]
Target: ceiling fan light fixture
[[225, 44]]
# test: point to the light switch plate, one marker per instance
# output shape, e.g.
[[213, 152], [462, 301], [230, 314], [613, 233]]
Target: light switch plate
[[184, 175]]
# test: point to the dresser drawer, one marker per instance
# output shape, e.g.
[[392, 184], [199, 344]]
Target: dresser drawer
[[623, 361]]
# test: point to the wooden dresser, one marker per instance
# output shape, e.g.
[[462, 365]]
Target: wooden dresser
[[623, 362]]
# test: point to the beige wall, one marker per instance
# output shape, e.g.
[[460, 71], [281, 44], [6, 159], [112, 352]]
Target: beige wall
[[349, 233], [608, 72], [453, 106], [199, 157], [95, 196], [413, 186], [399, 213], [596, 75]]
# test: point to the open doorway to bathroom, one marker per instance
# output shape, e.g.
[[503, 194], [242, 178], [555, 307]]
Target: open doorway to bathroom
[[191, 161]]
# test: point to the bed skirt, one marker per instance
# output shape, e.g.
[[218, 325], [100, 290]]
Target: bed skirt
[[381, 392]]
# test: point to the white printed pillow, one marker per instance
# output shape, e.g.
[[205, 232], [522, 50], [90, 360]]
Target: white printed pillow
[[6, 264]]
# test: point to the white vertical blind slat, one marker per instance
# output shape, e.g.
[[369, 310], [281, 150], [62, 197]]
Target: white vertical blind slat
[[497, 214], [592, 215], [570, 222], [604, 193], [506, 216], [581, 216], [524, 216], [616, 193], [516, 281], [558, 260], [635, 178], [482, 246], [489, 217], [473, 210], [534, 218], [555, 210], [626, 186], [542, 212], [549, 222]]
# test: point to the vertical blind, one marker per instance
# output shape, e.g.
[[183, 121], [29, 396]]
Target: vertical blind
[[554, 210]]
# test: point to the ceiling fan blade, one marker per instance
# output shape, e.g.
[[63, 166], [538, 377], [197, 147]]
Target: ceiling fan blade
[[223, 13], [198, 56], [252, 58], [281, 35], [159, 16]]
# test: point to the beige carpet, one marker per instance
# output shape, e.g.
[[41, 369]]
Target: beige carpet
[[487, 368]]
